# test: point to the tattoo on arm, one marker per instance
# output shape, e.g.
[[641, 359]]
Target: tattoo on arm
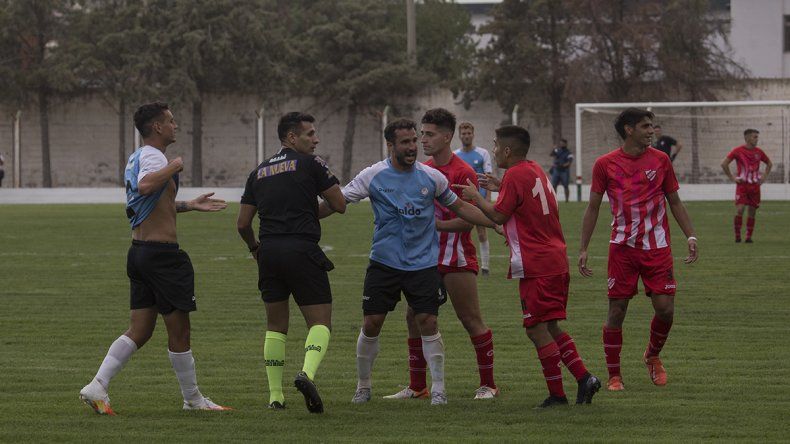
[[182, 206]]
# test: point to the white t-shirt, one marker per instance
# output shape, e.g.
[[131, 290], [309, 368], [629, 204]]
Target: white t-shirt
[[151, 160]]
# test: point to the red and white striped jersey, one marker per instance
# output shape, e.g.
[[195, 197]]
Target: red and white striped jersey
[[748, 162], [533, 231], [455, 249], [637, 187]]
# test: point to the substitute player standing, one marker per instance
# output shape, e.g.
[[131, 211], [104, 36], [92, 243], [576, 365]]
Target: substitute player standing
[[480, 161], [748, 181], [161, 276], [457, 264], [639, 181], [527, 208], [282, 191], [405, 250]]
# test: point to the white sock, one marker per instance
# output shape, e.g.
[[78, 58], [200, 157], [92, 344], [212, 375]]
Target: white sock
[[433, 349], [367, 350], [484, 254], [117, 356], [184, 366]]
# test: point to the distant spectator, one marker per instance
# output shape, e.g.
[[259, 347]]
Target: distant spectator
[[665, 143], [560, 170]]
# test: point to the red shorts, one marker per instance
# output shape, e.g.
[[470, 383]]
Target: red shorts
[[543, 298], [747, 194], [468, 268], [627, 265]]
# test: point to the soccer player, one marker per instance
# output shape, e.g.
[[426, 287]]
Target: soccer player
[[639, 181], [560, 170], [527, 207], [282, 191], [747, 189], [480, 161], [665, 143], [405, 250], [161, 275], [457, 264]]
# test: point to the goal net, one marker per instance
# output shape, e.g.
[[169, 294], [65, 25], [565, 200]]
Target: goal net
[[707, 131]]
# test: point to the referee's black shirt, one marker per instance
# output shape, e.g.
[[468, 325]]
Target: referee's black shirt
[[284, 188]]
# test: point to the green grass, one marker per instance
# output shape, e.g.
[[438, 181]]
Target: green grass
[[64, 299]]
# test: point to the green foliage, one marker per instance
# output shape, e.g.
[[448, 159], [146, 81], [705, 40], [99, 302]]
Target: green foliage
[[65, 299]]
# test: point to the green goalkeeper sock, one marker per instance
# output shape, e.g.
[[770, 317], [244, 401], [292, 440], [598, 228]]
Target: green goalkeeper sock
[[315, 348], [274, 356]]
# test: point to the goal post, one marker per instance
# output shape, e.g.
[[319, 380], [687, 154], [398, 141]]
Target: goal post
[[706, 130]]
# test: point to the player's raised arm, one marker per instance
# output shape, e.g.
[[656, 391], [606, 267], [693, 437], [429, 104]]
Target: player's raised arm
[[684, 221], [588, 226]]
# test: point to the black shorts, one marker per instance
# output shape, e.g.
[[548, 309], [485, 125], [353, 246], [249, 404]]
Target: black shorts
[[161, 275], [383, 286], [289, 265]]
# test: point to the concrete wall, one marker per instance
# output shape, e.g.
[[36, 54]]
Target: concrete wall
[[757, 36]]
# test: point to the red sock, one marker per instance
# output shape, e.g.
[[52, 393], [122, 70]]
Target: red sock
[[738, 222], [659, 330], [417, 365], [612, 344], [484, 349], [549, 356], [570, 357], [749, 227]]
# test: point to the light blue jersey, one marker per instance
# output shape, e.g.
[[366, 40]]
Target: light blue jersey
[[143, 160], [478, 159], [404, 236]]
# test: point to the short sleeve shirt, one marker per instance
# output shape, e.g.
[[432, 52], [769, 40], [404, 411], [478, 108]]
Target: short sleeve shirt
[[285, 190], [533, 231], [665, 144], [561, 157], [637, 187], [747, 162]]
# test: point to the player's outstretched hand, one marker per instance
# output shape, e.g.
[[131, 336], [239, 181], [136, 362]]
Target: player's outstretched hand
[[693, 252], [468, 191], [204, 202], [586, 272], [489, 181]]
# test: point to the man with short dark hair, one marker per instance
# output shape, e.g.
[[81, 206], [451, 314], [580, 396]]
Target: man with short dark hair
[[665, 143], [405, 250], [527, 209], [457, 265], [748, 181], [282, 191], [560, 170], [161, 275], [639, 181]]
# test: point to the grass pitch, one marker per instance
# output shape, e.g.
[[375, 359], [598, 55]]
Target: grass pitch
[[64, 297]]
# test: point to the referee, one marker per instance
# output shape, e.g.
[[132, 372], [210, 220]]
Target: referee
[[283, 191]]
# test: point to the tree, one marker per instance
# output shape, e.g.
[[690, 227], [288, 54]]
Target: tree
[[529, 59], [109, 45], [693, 56], [38, 71]]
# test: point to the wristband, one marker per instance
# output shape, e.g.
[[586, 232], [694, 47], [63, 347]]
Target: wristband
[[692, 238], [255, 247]]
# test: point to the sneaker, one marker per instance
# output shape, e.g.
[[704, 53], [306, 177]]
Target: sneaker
[[438, 398], [361, 396], [552, 401], [95, 396], [749, 241], [615, 384], [276, 405], [408, 393], [310, 393], [486, 392], [485, 271], [204, 404], [655, 368], [588, 386]]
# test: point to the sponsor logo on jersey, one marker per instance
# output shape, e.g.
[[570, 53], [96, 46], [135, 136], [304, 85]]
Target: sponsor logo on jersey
[[386, 190], [424, 191], [409, 210], [651, 174], [277, 168]]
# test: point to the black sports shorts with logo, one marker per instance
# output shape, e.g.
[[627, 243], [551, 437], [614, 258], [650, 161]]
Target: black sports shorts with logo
[[289, 265], [161, 275], [383, 287]]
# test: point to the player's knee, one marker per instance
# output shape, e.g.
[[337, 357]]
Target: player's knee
[[616, 317], [371, 327], [428, 324], [472, 323]]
